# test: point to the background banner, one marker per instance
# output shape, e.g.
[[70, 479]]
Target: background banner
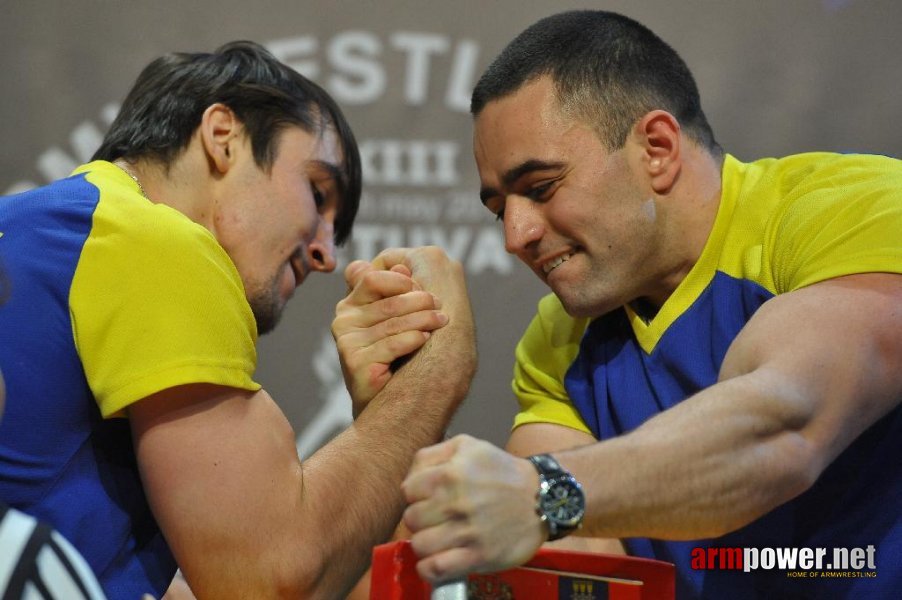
[[776, 77]]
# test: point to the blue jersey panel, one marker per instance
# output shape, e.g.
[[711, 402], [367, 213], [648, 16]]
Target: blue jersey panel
[[616, 386], [59, 460]]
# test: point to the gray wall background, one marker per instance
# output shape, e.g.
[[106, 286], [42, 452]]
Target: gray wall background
[[776, 77]]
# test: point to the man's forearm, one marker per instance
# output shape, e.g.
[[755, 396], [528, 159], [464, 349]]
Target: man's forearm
[[701, 469], [358, 475]]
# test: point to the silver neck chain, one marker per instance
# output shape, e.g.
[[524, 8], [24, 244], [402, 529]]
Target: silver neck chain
[[126, 168]]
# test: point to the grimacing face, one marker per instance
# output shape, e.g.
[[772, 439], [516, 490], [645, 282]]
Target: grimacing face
[[580, 216], [283, 229]]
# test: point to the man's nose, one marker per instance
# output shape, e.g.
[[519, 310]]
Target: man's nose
[[523, 224], [321, 251]]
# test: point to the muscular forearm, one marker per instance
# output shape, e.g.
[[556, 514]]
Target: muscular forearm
[[692, 472], [396, 413], [357, 476], [705, 467]]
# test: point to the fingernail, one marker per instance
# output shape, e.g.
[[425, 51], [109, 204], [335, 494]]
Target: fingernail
[[442, 318], [436, 301]]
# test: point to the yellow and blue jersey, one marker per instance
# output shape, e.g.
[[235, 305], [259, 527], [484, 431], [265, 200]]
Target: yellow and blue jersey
[[782, 224], [111, 299]]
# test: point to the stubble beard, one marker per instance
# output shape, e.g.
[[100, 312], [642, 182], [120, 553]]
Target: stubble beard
[[589, 298], [266, 307]]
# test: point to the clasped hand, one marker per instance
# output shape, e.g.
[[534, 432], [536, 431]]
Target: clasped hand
[[471, 505]]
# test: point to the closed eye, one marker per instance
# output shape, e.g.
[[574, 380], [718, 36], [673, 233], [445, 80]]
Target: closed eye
[[319, 199], [539, 192], [495, 204]]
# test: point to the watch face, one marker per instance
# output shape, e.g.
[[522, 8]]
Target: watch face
[[563, 501]]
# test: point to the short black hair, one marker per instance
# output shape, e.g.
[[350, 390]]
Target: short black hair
[[167, 101], [608, 70]]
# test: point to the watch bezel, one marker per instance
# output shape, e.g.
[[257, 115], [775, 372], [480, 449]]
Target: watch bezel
[[551, 475], [548, 484], [556, 525]]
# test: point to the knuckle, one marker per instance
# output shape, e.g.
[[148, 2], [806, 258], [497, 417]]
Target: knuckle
[[392, 344], [424, 299], [450, 476], [416, 541], [390, 306], [391, 328], [437, 319], [399, 279], [411, 518], [419, 457], [418, 321], [339, 323], [370, 279], [463, 438], [342, 306]]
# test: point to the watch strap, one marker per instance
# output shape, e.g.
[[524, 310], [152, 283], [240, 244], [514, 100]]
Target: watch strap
[[550, 470], [546, 465]]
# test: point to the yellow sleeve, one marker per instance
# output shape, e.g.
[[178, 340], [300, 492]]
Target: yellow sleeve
[[845, 218], [543, 355], [156, 303]]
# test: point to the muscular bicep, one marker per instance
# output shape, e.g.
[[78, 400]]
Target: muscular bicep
[[219, 467], [830, 352]]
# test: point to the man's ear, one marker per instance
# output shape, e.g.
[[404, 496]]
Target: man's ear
[[658, 133], [219, 133]]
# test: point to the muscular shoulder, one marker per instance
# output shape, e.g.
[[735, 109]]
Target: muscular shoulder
[[155, 291]]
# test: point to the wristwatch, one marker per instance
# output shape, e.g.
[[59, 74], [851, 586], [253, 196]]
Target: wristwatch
[[561, 503]]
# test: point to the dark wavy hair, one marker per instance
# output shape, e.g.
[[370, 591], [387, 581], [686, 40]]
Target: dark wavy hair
[[166, 103], [608, 71]]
